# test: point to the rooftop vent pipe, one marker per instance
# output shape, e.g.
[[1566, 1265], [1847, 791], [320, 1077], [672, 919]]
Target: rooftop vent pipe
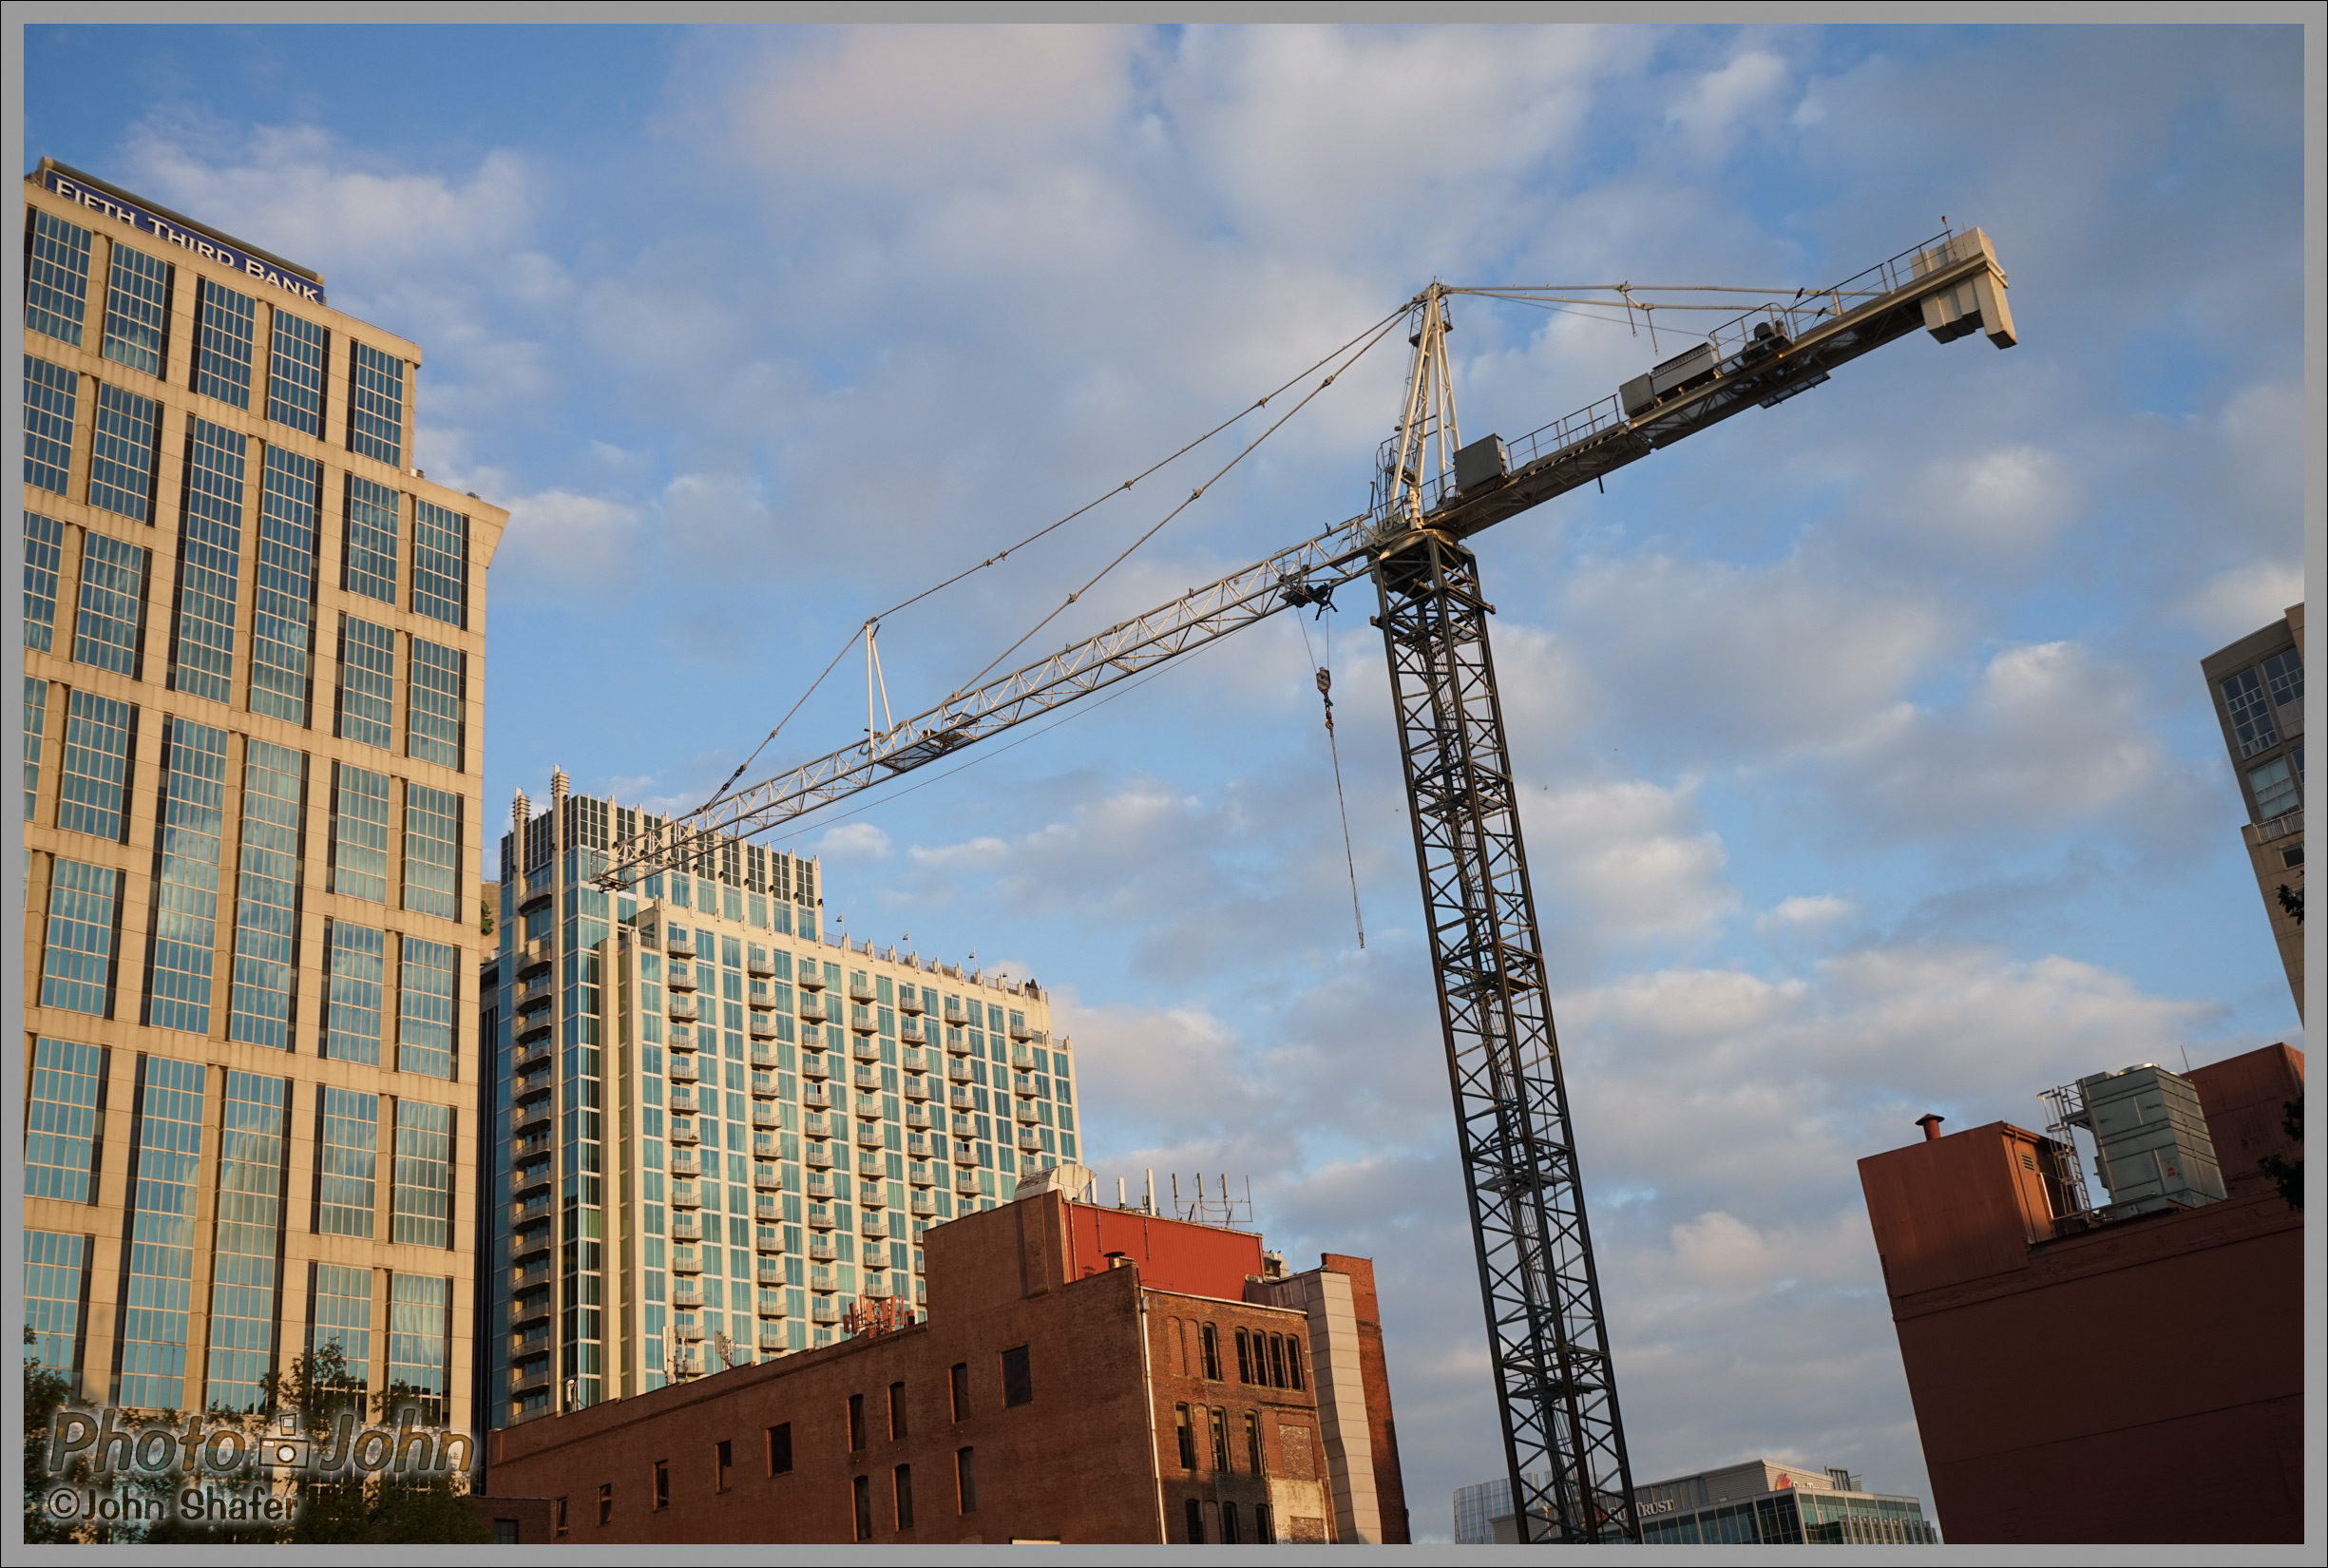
[[1931, 1124]]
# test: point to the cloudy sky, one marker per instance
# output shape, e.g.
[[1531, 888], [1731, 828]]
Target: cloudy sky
[[1867, 764]]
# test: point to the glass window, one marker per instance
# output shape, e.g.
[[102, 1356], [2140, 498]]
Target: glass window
[[370, 564], [438, 684], [44, 555], [366, 682], [348, 1156], [2275, 788], [137, 310], [283, 608], [243, 1307], [54, 1265], [359, 833], [2283, 676], [158, 1296], [431, 851], [376, 405], [97, 731], [77, 963], [37, 723], [341, 1310], [424, 1010], [122, 453], [52, 393], [56, 277], [440, 563], [1018, 1377], [352, 1028], [295, 372], [61, 1120], [186, 906], [423, 1199], [225, 324], [111, 631], [267, 896], [2251, 721], [209, 563], [419, 1332], [965, 1480]]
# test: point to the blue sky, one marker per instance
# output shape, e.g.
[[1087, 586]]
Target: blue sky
[[1868, 763]]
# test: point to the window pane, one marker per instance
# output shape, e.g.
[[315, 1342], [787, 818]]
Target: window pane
[[267, 896], [284, 611], [352, 1031], [376, 405], [158, 1296], [61, 1120], [341, 1312], [295, 374], [423, 1011], [53, 1268], [96, 765], [2251, 720], [44, 555], [36, 724], [433, 715], [431, 851], [366, 682], [423, 1207], [348, 1155], [137, 310], [359, 833], [209, 562], [186, 904], [77, 964], [242, 1295], [2284, 675], [2275, 788], [419, 1328], [440, 563], [52, 393], [370, 567], [122, 453], [56, 277], [225, 324], [111, 631]]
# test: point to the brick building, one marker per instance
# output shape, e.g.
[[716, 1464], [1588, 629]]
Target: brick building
[[2128, 1372], [1086, 1374]]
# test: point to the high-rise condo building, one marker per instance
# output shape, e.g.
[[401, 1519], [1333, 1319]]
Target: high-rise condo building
[[2257, 686], [716, 1128], [254, 651]]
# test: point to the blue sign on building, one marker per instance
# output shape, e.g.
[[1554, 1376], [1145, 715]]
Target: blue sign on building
[[109, 205]]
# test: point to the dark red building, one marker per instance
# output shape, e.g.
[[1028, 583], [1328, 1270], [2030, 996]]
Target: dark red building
[[1086, 1374], [2130, 1380]]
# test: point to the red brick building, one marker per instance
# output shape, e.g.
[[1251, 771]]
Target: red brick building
[[1086, 1375], [2138, 1381]]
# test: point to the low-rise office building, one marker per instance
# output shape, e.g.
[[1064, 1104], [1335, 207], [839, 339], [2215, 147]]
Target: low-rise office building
[[1759, 1502], [1086, 1374]]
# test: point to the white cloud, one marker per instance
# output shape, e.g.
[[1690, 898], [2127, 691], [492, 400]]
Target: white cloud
[[1717, 101], [854, 843], [1822, 909], [980, 853], [557, 538], [2230, 605], [1625, 860]]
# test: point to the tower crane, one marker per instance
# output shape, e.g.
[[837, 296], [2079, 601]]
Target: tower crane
[[1555, 1390]]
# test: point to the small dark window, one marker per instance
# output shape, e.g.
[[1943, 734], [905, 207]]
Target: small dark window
[[959, 1381], [1018, 1377], [780, 1449], [506, 1532], [1252, 1445], [1228, 1524], [1188, 1437], [726, 1464], [663, 1483], [1196, 1522], [1219, 1420], [856, 1424], [965, 1480], [1277, 1361], [1245, 1356], [606, 1503], [1265, 1526], [862, 1487], [905, 1497], [1211, 1339], [1293, 1361], [558, 1516], [2292, 858], [897, 1412]]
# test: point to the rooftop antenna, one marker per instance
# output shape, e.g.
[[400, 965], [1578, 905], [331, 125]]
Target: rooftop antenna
[[1150, 1207]]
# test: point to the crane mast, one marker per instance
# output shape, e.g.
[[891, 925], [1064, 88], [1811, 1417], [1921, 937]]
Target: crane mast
[[1548, 1338]]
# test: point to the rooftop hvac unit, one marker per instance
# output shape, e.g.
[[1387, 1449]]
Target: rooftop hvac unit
[[2150, 1140]]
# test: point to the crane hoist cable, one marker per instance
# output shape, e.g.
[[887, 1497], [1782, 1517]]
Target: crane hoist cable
[[1000, 556], [1324, 676]]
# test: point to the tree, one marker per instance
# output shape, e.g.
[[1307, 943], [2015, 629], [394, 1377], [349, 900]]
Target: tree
[[2289, 1172], [47, 1391], [485, 916], [2291, 899], [388, 1507]]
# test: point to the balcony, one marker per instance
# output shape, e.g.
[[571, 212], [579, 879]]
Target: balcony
[[767, 1210], [766, 1086], [683, 1195], [1028, 1141], [681, 946], [682, 1045], [528, 1245], [1022, 1084], [1020, 1032], [820, 1216], [681, 977], [686, 1293], [765, 1058], [861, 991], [686, 1228], [860, 1021], [922, 1174], [918, 1145], [526, 1058], [823, 1310], [771, 1337], [535, 1028], [534, 1085], [767, 1146], [877, 1286], [962, 1127], [820, 1249], [686, 1260], [870, 1163], [683, 1070], [530, 1276], [918, 1116], [959, 1097], [958, 1074], [955, 1044], [764, 1116], [691, 1333], [768, 1240], [909, 1031], [823, 1279], [820, 1186], [869, 1135], [917, 1088], [770, 1273], [810, 978], [874, 1228], [767, 1178], [525, 1380], [817, 1157], [814, 1068], [1024, 1110], [763, 1026], [532, 1308], [526, 1178], [526, 1212], [759, 965], [1023, 1059], [684, 1102], [909, 1002], [536, 993], [924, 1205], [681, 1009], [535, 956], [685, 1163], [683, 1131], [817, 1124], [525, 1118], [967, 1181]]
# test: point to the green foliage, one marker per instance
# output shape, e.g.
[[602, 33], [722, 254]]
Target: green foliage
[[2291, 899], [45, 1391], [485, 916], [2288, 1172]]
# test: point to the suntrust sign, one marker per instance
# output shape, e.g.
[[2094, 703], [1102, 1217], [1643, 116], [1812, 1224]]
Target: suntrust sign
[[108, 205]]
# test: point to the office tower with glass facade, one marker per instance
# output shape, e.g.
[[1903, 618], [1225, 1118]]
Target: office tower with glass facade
[[253, 645], [716, 1127], [2257, 686]]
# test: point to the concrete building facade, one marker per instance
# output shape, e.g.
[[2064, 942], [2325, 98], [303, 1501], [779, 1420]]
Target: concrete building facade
[[2257, 688], [1759, 1502], [717, 1124], [254, 662], [1084, 1375], [2061, 1363]]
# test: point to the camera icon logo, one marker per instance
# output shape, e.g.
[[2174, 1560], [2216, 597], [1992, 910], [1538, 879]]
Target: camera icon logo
[[287, 1447]]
